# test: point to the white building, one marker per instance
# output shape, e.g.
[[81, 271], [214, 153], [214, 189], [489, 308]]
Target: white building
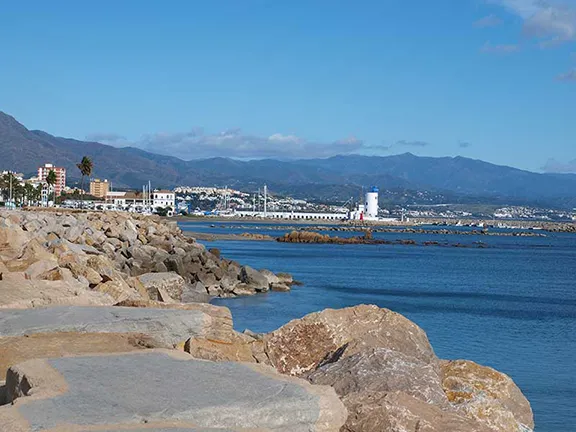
[[163, 198], [372, 203], [369, 210], [292, 215]]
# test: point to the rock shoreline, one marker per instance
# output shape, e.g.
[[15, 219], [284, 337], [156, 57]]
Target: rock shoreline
[[94, 336], [111, 257]]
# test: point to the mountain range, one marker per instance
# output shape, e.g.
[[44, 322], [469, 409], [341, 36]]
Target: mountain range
[[23, 150]]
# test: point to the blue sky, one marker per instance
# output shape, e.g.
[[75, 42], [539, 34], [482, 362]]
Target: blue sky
[[487, 79]]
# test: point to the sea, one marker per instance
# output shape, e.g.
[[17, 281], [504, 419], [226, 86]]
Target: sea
[[508, 302]]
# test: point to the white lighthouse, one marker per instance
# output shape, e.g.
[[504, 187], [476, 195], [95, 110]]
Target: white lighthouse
[[371, 207]]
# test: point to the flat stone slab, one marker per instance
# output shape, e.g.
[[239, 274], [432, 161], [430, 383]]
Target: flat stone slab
[[167, 326], [163, 390]]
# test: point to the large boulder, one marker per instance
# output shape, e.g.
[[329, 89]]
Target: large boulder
[[90, 392], [158, 283], [12, 240], [118, 289], [398, 411], [386, 373], [486, 395], [166, 326], [195, 292], [217, 320], [254, 279], [301, 345], [383, 370], [16, 291]]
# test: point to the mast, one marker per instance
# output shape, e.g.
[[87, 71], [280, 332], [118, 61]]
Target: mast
[[265, 200], [149, 195], [10, 177]]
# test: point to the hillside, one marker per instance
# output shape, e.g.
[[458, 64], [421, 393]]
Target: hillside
[[458, 179]]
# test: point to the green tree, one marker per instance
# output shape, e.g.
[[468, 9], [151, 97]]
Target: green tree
[[85, 166], [29, 192], [51, 180], [8, 181], [38, 193]]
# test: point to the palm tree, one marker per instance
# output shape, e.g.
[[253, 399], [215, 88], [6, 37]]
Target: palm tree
[[29, 193], [51, 180], [38, 193], [85, 166]]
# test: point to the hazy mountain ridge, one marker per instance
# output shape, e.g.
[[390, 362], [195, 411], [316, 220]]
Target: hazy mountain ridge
[[24, 150]]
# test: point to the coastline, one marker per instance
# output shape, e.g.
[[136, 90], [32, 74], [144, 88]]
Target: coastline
[[118, 294], [569, 227]]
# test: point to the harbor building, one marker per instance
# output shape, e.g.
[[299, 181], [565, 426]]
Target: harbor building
[[292, 215], [60, 177], [99, 188], [164, 198]]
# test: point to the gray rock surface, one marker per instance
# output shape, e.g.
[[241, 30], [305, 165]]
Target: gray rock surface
[[170, 282], [158, 386], [254, 279], [383, 370], [167, 326]]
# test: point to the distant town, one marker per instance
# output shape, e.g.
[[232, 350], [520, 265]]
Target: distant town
[[49, 188]]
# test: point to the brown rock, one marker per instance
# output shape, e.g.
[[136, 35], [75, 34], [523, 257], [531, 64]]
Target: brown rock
[[89, 273], [171, 284], [486, 395], [279, 287], [301, 345], [139, 287], [237, 347], [17, 292], [383, 370], [117, 289], [398, 411]]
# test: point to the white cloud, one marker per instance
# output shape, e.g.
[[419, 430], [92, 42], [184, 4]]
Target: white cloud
[[551, 21], [277, 137], [488, 21], [236, 144], [568, 76]]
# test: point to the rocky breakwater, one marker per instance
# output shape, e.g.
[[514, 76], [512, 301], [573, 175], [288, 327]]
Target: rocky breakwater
[[385, 371], [92, 338], [89, 258]]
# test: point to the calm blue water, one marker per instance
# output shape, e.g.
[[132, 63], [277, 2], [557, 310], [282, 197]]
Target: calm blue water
[[511, 305]]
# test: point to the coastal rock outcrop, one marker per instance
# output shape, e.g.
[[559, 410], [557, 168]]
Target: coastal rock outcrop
[[92, 306], [385, 371], [59, 393], [118, 257]]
